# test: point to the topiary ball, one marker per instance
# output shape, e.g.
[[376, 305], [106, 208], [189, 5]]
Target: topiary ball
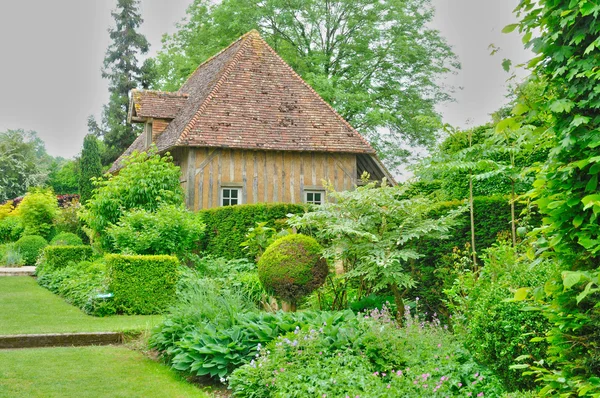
[[292, 267], [30, 247], [66, 239]]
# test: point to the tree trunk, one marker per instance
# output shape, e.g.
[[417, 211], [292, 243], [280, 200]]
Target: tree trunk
[[288, 306], [399, 301]]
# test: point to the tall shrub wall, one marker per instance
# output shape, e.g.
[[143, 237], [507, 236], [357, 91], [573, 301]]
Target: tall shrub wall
[[142, 284], [226, 227], [492, 216]]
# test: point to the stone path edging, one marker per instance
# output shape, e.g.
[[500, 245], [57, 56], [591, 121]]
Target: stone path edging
[[59, 340], [17, 271]]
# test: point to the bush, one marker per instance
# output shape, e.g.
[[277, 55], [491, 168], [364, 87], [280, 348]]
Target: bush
[[30, 247], [500, 331], [80, 284], [142, 284], [10, 256], [66, 239], [169, 230], [226, 227], [292, 267], [146, 182], [54, 257], [38, 209], [366, 356], [11, 229]]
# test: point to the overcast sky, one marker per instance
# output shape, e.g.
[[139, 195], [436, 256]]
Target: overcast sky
[[52, 52]]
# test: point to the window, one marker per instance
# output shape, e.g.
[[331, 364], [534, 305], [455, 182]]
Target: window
[[148, 134], [231, 196], [314, 197]]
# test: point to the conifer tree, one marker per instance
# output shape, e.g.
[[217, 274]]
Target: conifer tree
[[90, 166], [122, 69]]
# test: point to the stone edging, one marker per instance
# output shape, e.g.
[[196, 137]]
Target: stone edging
[[59, 340]]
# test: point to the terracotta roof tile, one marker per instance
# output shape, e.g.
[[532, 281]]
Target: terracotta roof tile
[[156, 104]]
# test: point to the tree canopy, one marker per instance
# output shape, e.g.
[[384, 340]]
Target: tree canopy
[[376, 62]]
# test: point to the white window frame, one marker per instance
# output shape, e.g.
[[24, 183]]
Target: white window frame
[[230, 188], [313, 192]]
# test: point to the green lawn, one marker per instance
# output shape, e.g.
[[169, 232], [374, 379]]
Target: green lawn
[[25, 307], [88, 372]]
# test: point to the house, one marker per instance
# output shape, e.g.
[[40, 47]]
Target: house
[[245, 128]]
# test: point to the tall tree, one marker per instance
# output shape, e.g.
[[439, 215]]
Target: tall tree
[[122, 69], [90, 166], [23, 162], [375, 61]]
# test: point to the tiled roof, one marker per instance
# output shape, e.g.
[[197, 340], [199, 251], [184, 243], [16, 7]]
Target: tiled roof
[[247, 97], [156, 104]]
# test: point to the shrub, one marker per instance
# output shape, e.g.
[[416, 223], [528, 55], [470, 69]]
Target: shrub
[[81, 284], [10, 256], [30, 247], [66, 239], [226, 227], [7, 209], [11, 229], [54, 257], [146, 182], [169, 230], [142, 284], [292, 267], [500, 331], [38, 209], [366, 356]]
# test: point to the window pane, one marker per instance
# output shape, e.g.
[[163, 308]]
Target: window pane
[[309, 197], [234, 202], [225, 193], [317, 198], [225, 202], [234, 193]]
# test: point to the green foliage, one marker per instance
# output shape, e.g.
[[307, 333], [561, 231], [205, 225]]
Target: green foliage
[[64, 176], [146, 182], [90, 167], [10, 256], [66, 239], [226, 227], [169, 230], [123, 71], [142, 284], [499, 331], [365, 356], [23, 162], [80, 283], [292, 267], [60, 256], [260, 237], [30, 247], [11, 229], [38, 209], [375, 62], [372, 231], [566, 189]]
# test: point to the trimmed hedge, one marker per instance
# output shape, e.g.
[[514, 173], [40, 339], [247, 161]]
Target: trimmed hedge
[[66, 239], [142, 284], [30, 247], [492, 216], [226, 227], [55, 257]]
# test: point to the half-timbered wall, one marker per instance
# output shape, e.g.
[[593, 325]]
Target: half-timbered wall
[[263, 176]]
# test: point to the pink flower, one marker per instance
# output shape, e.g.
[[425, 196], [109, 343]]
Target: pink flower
[[459, 384], [389, 386], [480, 394]]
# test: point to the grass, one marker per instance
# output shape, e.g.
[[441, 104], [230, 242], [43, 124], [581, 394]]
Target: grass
[[27, 308], [88, 372]]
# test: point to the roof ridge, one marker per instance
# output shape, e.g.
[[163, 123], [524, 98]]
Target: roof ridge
[[177, 93], [295, 74], [209, 59], [226, 71]]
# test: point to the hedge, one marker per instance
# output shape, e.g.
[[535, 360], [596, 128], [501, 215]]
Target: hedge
[[491, 215], [142, 285], [226, 227], [55, 257], [30, 247]]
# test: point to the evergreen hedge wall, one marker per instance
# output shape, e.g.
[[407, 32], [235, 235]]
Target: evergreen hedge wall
[[226, 227], [55, 257]]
